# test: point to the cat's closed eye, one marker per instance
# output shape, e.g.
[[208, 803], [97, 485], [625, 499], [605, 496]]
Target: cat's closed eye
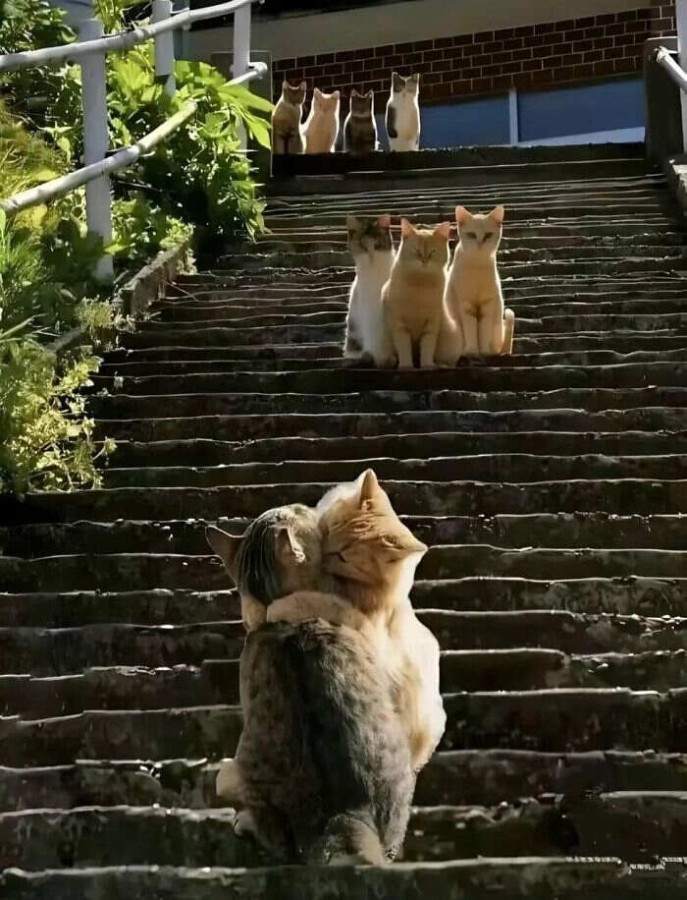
[[471, 234], [489, 234]]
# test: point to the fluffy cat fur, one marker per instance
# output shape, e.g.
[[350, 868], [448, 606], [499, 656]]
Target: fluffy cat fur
[[287, 135], [360, 128], [367, 335], [321, 128], [473, 292], [368, 561], [322, 772], [413, 298], [403, 113]]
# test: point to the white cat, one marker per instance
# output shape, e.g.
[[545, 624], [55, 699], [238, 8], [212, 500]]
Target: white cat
[[403, 113], [321, 128], [370, 244], [473, 293]]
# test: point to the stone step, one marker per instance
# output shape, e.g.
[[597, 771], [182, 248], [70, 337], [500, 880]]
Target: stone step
[[92, 836], [435, 384], [625, 595], [594, 399], [554, 530], [556, 721], [458, 777], [47, 652], [217, 681], [197, 361], [619, 496], [564, 879]]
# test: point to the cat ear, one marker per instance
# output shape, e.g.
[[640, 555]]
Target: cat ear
[[352, 223], [303, 86], [498, 214], [406, 228], [369, 486], [225, 546], [317, 94], [463, 216], [289, 549], [402, 544], [336, 95], [384, 221], [443, 230], [415, 77]]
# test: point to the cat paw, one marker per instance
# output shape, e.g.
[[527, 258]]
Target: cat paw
[[244, 824]]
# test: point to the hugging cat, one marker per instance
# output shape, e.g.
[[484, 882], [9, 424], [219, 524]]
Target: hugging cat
[[367, 334], [403, 113], [321, 128], [322, 772], [413, 298], [360, 128], [473, 293], [286, 119]]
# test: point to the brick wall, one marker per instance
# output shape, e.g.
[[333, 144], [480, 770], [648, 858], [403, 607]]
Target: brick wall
[[530, 57]]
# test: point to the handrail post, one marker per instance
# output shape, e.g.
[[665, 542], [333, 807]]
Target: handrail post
[[95, 140], [681, 21], [241, 41], [164, 46]]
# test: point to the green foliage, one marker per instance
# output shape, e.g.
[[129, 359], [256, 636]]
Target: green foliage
[[46, 441]]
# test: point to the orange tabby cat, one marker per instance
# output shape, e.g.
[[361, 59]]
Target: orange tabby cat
[[371, 557]]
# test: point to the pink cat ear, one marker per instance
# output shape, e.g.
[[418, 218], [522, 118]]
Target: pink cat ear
[[369, 487], [444, 230], [462, 215], [498, 214], [303, 86], [225, 546], [289, 550], [317, 93], [384, 221], [336, 95], [406, 228]]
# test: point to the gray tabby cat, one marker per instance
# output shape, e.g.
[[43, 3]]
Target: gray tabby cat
[[287, 136], [360, 128], [322, 769]]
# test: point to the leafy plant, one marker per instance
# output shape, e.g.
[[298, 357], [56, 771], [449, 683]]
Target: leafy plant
[[46, 441]]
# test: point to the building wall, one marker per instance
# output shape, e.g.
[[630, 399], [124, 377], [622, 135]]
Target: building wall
[[526, 57]]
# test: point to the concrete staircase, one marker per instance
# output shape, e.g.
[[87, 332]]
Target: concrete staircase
[[549, 486]]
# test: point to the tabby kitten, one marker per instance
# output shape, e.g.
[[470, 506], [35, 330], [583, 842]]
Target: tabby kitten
[[286, 119], [370, 244], [413, 298], [360, 128], [321, 128], [403, 113], [473, 293], [322, 771]]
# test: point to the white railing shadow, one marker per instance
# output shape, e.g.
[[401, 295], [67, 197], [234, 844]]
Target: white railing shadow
[[90, 51]]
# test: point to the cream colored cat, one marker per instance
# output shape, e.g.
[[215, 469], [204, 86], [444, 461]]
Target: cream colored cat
[[321, 128], [413, 298], [371, 557], [473, 293], [287, 135]]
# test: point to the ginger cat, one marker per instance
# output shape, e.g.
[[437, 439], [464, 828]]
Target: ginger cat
[[371, 557], [287, 136], [473, 293], [321, 128], [413, 298]]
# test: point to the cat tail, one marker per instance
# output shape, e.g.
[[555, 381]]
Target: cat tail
[[508, 331], [349, 840]]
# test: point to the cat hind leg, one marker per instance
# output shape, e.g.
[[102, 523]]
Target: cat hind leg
[[508, 329]]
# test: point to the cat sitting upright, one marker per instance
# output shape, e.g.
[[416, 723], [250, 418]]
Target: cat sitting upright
[[413, 298], [322, 772], [286, 119], [372, 249], [360, 128], [321, 128], [403, 113], [473, 292]]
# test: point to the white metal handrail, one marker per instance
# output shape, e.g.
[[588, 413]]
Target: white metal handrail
[[90, 51], [665, 59]]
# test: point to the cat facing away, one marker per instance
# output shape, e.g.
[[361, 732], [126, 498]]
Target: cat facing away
[[473, 292], [403, 113], [413, 298], [321, 128], [322, 771], [287, 134], [372, 249], [360, 128]]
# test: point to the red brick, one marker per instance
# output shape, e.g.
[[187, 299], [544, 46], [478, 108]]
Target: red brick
[[293, 76], [565, 26], [511, 68], [421, 46], [466, 50], [583, 46], [634, 27], [571, 59], [491, 71], [629, 16], [431, 55], [430, 78], [524, 31], [369, 64], [541, 78], [540, 52], [443, 42], [593, 33], [666, 25], [625, 65], [493, 46], [345, 55], [385, 50], [613, 53], [603, 43], [483, 60], [471, 73], [481, 85], [283, 64], [354, 65], [585, 23], [505, 33], [607, 19], [532, 65], [546, 28], [483, 36], [443, 65], [502, 83], [404, 48], [507, 57], [393, 61], [461, 87], [522, 54], [615, 29], [412, 59], [593, 55], [604, 68], [574, 35], [463, 39], [513, 44], [584, 71], [644, 14]]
